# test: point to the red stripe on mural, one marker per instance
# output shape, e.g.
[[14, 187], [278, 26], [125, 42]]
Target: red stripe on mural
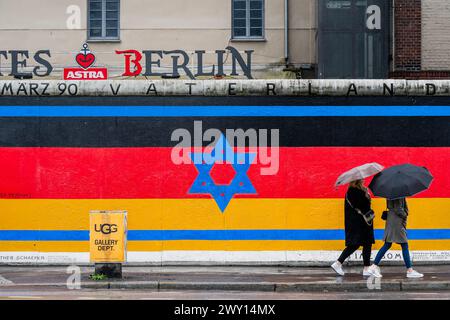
[[126, 173]]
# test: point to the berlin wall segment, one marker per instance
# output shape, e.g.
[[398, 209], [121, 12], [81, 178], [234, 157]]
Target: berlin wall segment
[[80, 143], [389, 88]]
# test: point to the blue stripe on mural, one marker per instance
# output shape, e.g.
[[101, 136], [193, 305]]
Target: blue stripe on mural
[[44, 235], [221, 111], [168, 235]]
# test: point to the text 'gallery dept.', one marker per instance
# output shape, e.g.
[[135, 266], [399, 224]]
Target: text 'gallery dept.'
[[106, 245]]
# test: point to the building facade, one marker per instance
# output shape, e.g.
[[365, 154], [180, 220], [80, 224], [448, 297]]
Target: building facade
[[289, 38], [209, 25], [71, 147]]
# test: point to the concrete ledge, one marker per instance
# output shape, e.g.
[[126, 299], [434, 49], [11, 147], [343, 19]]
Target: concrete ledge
[[278, 287], [425, 285], [336, 287], [232, 286], [150, 285], [95, 285], [391, 286], [281, 87]]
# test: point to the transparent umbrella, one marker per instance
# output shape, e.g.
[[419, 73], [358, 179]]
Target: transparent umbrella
[[357, 173]]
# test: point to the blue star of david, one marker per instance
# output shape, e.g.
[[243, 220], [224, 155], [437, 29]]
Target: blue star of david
[[222, 153]]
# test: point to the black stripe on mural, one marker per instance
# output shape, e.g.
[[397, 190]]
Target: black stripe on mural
[[156, 132], [223, 101]]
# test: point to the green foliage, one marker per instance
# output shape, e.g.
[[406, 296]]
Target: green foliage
[[98, 276]]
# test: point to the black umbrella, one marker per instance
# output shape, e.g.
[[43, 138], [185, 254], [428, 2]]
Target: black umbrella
[[401, 181]]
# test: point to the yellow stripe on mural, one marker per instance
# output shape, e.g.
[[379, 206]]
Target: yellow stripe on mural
[[203, 214], [257, 245]]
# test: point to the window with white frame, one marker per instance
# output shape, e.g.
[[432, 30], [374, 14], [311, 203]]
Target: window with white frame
[[247, 19], [103, 19]]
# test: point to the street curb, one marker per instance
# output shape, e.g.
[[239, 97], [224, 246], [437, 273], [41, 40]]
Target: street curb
[[95, 285], [390, 286], [338, 287], [229, 286], [421, 286], [135, 285]]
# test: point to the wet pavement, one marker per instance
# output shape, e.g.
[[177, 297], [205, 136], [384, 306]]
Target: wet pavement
[[223, 278], [34, 293]]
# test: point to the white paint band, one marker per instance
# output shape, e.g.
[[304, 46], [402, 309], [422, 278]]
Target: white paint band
[[280, 87], [216, 257]]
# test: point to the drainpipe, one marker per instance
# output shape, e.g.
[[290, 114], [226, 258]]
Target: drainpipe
[[393, 35], [286, 32]]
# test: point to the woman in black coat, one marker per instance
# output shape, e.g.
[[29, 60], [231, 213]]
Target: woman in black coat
[[357, 231]]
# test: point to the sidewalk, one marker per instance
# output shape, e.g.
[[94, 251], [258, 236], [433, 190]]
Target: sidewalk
[[273, 279]]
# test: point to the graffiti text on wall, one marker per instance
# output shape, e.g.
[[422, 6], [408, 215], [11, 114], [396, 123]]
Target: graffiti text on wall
[[137, 63]]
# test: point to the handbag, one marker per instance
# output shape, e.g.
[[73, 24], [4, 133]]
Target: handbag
[[368, 216], [384, 215]]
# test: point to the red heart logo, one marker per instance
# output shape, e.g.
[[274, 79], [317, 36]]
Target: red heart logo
[[85, 61]]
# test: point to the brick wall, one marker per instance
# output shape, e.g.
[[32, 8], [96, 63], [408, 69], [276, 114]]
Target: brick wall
[[420, 75], [422, 39], [408, 35]]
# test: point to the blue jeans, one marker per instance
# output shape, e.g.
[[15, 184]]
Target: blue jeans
[[387, 246]]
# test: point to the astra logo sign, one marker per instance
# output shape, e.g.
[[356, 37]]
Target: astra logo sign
[[85, 60], [135, 63]]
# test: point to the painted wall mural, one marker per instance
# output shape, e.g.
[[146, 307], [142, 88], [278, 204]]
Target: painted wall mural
[[59, 160]]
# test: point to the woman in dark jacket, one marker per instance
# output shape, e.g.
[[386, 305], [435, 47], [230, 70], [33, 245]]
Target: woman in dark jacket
[[357, 231]]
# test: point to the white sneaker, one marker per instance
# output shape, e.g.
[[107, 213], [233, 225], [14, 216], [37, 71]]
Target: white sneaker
[[366, 272], [414, 274], [374, 271], [338, 268]]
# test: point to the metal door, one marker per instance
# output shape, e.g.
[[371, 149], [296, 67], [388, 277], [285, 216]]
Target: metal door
[[353, 39]]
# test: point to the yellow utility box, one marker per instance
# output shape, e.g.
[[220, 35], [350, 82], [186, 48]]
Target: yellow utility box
[[108, 236]]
